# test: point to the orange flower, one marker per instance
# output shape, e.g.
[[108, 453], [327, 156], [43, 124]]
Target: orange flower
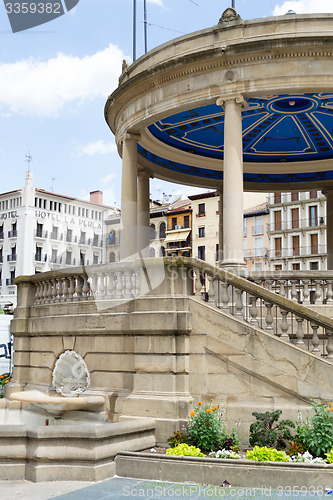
[[330, 404], [199, 402], [192, 413], [215, 408], [6, 381], [209, 410]]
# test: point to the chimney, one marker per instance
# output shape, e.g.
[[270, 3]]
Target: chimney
[[96, 197]]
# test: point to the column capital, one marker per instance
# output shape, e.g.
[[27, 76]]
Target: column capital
[[132, 137], [236, 98]]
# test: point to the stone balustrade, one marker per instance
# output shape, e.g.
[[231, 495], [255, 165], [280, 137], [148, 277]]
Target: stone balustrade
[[270, 302], [304, 287], [263, 301]]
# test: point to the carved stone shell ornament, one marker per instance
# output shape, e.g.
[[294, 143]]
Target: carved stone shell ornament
[[70, 374]]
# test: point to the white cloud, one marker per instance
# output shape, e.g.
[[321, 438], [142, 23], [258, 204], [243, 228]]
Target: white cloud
[[95, 148], [43, 87], [157, 2], [304, 7], [108, 178]]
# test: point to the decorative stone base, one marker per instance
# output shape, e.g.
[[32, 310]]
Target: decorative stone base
[[212, 471]]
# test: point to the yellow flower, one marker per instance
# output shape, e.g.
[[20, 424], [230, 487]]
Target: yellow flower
[[209, 410], [192, 413], [6, 381], [327, 408], [199, 402]]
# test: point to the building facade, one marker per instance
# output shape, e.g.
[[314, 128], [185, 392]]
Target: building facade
[[297, 231], [42, 231], [179, 230], [256, 242]]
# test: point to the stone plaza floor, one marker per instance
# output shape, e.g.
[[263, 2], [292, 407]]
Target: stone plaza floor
[[120, 488]]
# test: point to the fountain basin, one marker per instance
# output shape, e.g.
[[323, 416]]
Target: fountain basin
[[58, 405]]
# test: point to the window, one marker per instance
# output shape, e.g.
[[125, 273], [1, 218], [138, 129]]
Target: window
[[54, 255], [174, 222], [258, 251], [277, 197], [295, 218], [314, 266], [54, 234], [162, 230], [51, 205], [296, 247], [162, 252], [202, 232], [277, 220], [313, 194], [82, 238], [313, 219], [79, 211], [1, 232], [39, 230], [244, 226], [278, 267], [152, 231], [314, 243], [296, 266], [187, 221], [278, 247], [69, 235], [201, 252], [95, 259], [38, 255], [294, 196], [68, 257], [82, 258], [258, 266], [258, 228], [217, 253], [112, 257], [202, 209]]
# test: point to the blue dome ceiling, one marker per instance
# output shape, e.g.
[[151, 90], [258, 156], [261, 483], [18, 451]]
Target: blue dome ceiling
[[278, 128]]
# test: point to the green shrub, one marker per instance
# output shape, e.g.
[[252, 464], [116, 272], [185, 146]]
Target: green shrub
[[264, 454], [205, 427], [267, 431], [316, 434], [329, 457], [185, 450], [177, 439]]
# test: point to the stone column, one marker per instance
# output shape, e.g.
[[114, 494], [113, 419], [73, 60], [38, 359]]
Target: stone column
[[143, 213], [233, 258], [128, 238], [329, 227], [220, 191]]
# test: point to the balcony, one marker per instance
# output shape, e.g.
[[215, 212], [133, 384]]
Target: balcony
[[39, 233], [256, 253], [201, 214], [12, 234], [12, 257], [54, 235], [10, 281], [291, 225], [56, 260], [309, 251]]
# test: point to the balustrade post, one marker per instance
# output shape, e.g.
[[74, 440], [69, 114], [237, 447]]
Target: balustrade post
[[269, 284], [282, 290], [225, 298], [85, 287], [65, 290], [239, 303], [284, 325], [254, 311], [101, 285], [269, 318], [211, 292], [293, 291], [119, 286], [306, 292], [198, 285], [318, 291], [315, 340], [128, 284], [329, 345], [299, 333], [329, 295], [71, 287]]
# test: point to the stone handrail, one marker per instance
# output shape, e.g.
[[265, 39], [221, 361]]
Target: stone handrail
[[270, 311], [305, 287], [233, 294]]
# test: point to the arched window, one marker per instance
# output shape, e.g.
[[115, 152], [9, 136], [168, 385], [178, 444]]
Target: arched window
[[151, 252], [112, 257], [162, 230], [111, 239], [152, 232]]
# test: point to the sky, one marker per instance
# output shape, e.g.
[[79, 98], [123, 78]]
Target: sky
[[55, 79]]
